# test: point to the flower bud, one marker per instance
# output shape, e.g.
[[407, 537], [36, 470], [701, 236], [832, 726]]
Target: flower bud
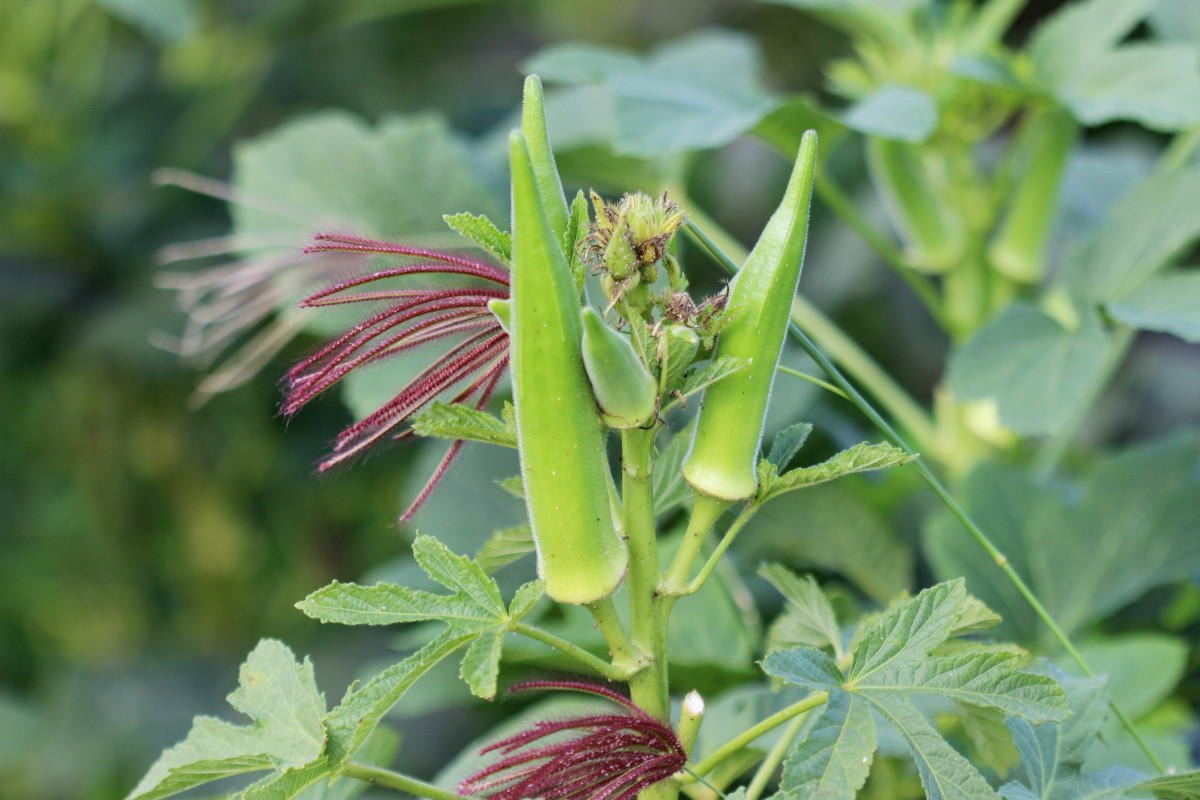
[[722, 461], [559, 434], [625, 390]]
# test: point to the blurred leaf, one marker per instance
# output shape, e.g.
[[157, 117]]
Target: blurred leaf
[[1077, 57], [1143, 669], [670, 489], [165, 21], [783, 127], [281, 696], [1182, 786], [1150, 227], [1176, 20], [808, 617], [456, 421], [1127, 526], [1168, 304], [694, 93], [832, 527], [860, 458], [993, 741], [505, 546], [894, 112], [1038, 372]]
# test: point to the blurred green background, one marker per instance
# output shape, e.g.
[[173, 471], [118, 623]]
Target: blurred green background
[[145, 544]]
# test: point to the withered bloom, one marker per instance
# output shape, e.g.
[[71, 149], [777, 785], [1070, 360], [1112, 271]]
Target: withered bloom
[[455, 317], [598, 757]]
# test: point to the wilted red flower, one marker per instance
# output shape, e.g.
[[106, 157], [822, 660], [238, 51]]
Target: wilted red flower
[[604, 757], [457, 317]]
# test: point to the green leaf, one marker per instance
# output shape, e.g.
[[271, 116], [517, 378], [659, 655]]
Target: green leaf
[[1183, 786], [806, 667], [993, 741], [379, 751], [894, 112], [525, 598], [702, 378], [286, 785], [1037, 372], [787, 443], [1125, 527], [352, 722], [1168, 304], [944, 772], [514, 486], [454, 421], [504, 547], [1077, 58], [833, 760], [275, 691], [1143, 669], [808, 618], [1176, 20], [483, 232], [578, 223], [1146, 231], [860, 458], [670, 489], [164, 21], [909, 630], [480, 664], [694, 93]]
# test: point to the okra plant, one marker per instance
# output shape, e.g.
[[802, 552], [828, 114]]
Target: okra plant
[[585, 308]]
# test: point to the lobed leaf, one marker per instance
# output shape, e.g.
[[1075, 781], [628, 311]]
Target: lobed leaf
[[1168, 304], [894, 112], [833, 760], [860, 458], [504, 547], [483, 232], [787, 443], [804, 666], [909, 630], [456, 421], [808, 618], [715, 370]]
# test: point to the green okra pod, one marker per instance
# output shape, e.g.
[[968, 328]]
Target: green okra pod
[[626, 392], [722, 461], [934, 233], [559, 433], [1018, 248], [537, 139]]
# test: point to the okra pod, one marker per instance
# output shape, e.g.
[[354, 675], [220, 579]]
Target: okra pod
[[935, 235], [722, 461], [537, 139], [1018, 248], [561, 439], [625, 391]]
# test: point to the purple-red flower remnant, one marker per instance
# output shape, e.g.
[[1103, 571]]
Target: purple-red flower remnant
[[456, 316], [600, 757]]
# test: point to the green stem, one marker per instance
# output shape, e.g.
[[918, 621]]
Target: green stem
[[726, 540], [804, 376], [394, 780], [705, 513], [613, 672], [771, 762], [1178, 151], [746, 737], [991, 22], [604, 613], [845, 350], [845, 208], [919, 465]]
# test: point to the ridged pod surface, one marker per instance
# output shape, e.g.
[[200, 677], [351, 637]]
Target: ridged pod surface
[[626, 392], [561, 439], [722, 461]]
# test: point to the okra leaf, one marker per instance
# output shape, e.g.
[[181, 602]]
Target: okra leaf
[[454, 421], [577, 230], [514, 486], [694, 93], [280, 695], [833, 760], [860, 458], [504, 547], [806, 667], [286, 785], [1036, 371], [1176, 20], [700, 379], [1168, 304], [909, 630], [352, 722], [894, 112], [1182, 786], [475, 609], [670, 489], [993, 742], [525, 599], [483, 232], [808, 618], [787, 443]]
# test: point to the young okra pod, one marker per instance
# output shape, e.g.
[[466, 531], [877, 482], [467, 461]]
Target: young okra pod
[[626, 392], [561, 439], [723, 458]]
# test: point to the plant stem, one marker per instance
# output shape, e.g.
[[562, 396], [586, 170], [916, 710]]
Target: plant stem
[[726, 540], [1179, 151], [991, 21], [804, 376], [613, 672], [890, 394], [771, 762], [397, 781], [705, 512], [605, 615], [746, 737], [1001, 561]]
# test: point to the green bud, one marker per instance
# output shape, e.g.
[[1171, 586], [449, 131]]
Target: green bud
[[1018, 246], [722, 461], [625, 390], [934, 232], [560, 438], [502, 311], [676, 348]]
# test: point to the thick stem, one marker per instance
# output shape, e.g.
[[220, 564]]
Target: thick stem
[[394, 780], [613, 672], [746, 737]]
